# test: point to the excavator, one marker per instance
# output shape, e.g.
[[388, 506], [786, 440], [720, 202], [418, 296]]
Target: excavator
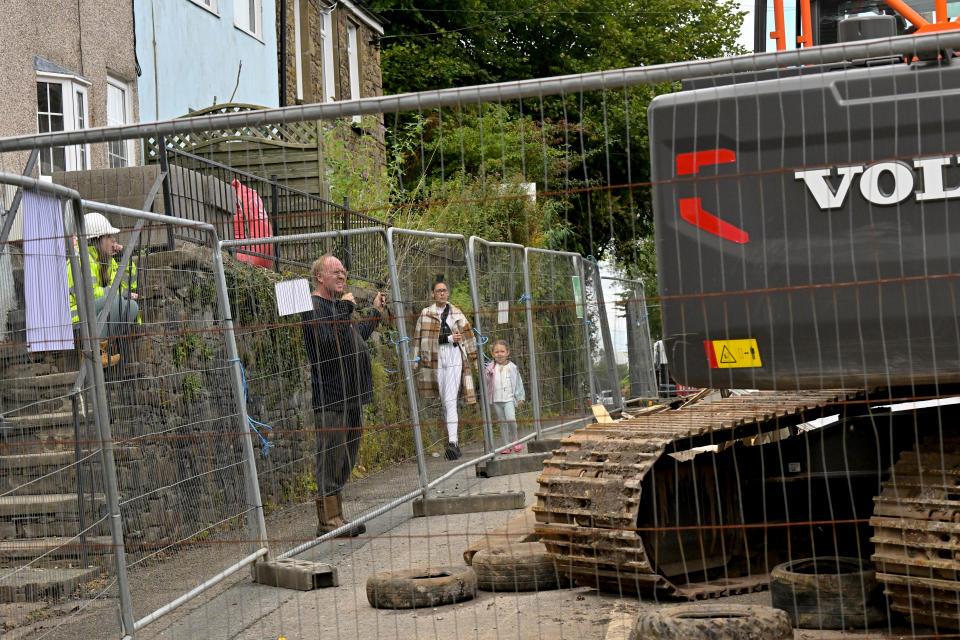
[[806, 262]]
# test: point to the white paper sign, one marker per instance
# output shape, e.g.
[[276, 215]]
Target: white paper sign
[[293, 296], [503, 312]]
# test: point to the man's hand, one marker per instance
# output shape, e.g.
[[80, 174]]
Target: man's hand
[[380, 302], [348, 297], [456, 337]]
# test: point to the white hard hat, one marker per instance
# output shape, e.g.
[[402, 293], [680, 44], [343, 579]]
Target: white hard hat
[[97, 225]]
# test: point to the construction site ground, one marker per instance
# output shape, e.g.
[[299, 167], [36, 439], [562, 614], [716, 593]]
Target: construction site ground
[[242, 610]]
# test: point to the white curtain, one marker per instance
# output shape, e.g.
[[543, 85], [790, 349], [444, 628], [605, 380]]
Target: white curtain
[[49, 326]]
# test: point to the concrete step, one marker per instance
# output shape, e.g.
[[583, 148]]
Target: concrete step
[[54, 548], [47, 472], [40, 420], [30, 584], [14, 408], [55, 471], [58, 504], [56, 514], [30, 388], [45, 440]]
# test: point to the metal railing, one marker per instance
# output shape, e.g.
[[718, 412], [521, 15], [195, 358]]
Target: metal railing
[[241, 204]]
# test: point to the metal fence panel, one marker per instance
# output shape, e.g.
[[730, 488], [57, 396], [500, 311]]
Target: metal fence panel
[[698, 497], [560, 336]]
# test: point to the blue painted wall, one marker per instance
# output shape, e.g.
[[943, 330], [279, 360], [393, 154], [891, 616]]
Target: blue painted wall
[[196, 57]]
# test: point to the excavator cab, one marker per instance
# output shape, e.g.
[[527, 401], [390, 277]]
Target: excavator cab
[[818, 22], [803, 219]]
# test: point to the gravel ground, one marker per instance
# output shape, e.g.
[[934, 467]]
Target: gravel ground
[[239, 609]]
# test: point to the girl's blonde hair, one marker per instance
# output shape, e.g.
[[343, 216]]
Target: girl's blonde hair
[[497, 343]]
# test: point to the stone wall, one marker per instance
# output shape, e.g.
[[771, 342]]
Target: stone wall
[[176, 411]]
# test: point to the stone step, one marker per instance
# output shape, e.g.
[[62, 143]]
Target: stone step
[[47, 472], [42, 380], [55, 471], [43, 462], [30, 584], [39, 421], [55, 548], [59, 504], [25, 407], [20, 390], [46, 440]]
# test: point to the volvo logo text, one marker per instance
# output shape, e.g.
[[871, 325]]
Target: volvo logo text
[[881, 183]]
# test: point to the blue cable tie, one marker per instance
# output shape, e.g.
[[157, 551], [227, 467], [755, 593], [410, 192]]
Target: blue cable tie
[[592, 259], [396, 345], [523, 299], [243, 376], [482, 340]]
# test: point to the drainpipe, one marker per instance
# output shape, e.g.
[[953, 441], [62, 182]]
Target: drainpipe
[[283, 52]]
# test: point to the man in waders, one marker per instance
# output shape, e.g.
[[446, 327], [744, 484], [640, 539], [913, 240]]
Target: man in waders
[[341, 383]]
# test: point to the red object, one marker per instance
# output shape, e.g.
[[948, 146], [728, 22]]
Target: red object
[[692, 210], [688, 163], [711, 354], [684, 390], [251, 221]]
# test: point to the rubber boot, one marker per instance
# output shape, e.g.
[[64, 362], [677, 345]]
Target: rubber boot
[[106, 358], [330, 517]]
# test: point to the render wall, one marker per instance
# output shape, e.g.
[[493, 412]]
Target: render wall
[[190, 58], [91, 38]]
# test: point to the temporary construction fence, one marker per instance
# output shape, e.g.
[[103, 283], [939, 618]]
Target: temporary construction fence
[[498, 293], [167, 439], [641, 381], [603, 365], [696, 501], [559, 371], [211, 408]]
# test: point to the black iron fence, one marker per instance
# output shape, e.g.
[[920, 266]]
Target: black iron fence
[[244, 205]]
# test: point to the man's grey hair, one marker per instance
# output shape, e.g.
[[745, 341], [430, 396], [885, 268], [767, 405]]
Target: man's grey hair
[[318, 266]]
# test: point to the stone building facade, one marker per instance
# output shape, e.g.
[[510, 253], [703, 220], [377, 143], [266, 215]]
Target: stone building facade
[[332, 50]]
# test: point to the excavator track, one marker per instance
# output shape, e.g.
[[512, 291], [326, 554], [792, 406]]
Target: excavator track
[[590, 497], [916, 525]]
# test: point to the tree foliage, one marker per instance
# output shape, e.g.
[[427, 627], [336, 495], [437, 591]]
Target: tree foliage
[[588, 152], [430, 44]]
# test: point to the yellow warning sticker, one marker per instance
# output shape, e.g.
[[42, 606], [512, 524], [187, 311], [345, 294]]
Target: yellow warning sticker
[[733, 354]]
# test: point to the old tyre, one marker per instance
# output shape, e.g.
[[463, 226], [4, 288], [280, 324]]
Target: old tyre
[[522, 566], [714, 622], [415, 588], [827, 593]]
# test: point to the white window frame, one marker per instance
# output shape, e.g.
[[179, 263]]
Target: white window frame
[[326, 46], [353, 63], [208, 5], [76, 157], [117, 83], [241, 8]]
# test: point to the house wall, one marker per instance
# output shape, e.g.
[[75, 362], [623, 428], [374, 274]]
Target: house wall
[[90, 37], [190, 58], [371, 83]]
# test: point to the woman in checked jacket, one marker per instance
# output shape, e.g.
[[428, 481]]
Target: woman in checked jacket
[[444, 341]]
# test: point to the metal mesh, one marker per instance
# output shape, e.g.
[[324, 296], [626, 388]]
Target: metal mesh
[[804, 248], [560, 335]]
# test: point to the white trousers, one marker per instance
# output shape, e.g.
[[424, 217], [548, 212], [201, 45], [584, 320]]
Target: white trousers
[[450, 364]]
